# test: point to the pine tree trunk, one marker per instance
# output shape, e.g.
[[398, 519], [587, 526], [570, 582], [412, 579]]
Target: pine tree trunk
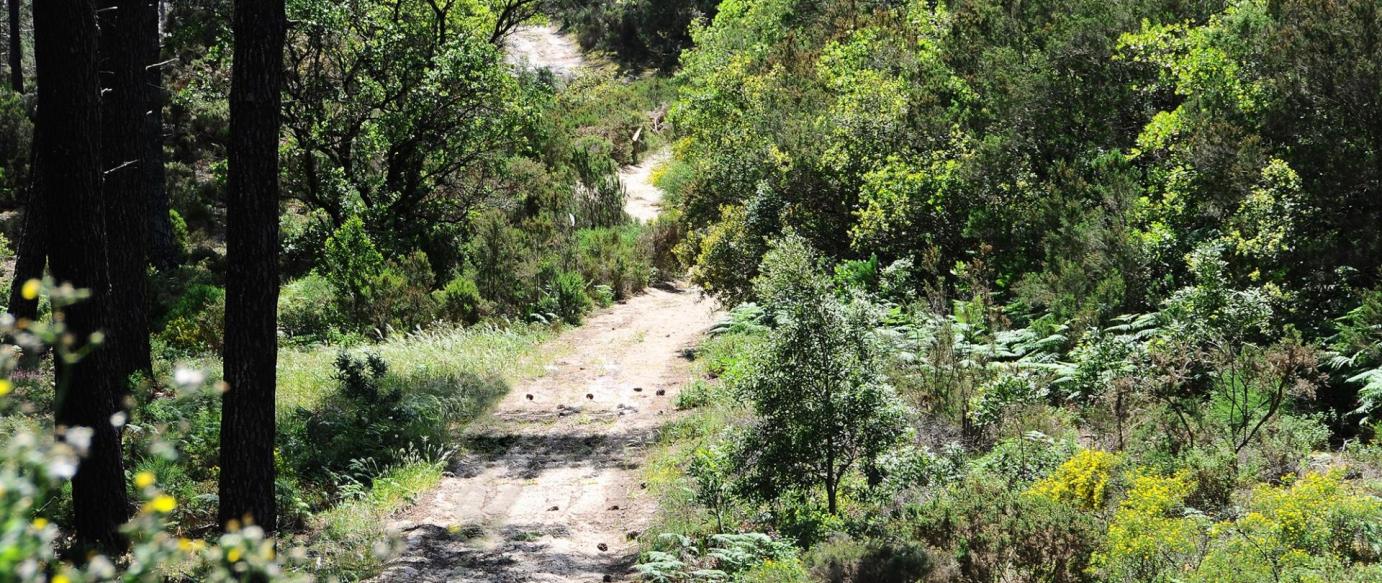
[[68, 142], [31, 253], [16, 49], [163, 251], [125, 30], [250, 354]]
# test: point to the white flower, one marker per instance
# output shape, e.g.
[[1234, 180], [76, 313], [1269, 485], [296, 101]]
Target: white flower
[[118, 419], [188, 378], [79, 438]]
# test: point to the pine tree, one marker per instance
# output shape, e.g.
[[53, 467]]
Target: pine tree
[[67, 139], [250, 354]]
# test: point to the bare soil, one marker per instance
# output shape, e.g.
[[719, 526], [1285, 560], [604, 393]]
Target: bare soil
[[545, 47], [644, 200], [551, 490]]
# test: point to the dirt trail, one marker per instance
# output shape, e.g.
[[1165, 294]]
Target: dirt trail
[[544, 46], [644, 199], [552, 491]]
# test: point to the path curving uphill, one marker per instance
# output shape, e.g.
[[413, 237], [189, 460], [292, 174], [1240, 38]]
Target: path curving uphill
[[551, 489]]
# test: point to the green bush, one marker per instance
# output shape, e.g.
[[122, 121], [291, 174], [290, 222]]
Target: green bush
[[614, 257], [366, 422], [564, 298], [460, 300], [354, 266], [308, 307], [825, 409], [196, 322]]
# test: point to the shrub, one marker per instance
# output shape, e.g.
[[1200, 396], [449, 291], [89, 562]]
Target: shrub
[[353, 265], [984, 531], [401, 295], [196, 322], [824, 408], [460, 300], [564, 298], [1307, 527], [1082, 480], [1150, 535], [845, 560], [302, 240], [615, 258], [308, 307], [364, 425], [726, 257]]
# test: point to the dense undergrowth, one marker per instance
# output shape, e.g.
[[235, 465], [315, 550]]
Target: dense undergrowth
[[1113, 261]]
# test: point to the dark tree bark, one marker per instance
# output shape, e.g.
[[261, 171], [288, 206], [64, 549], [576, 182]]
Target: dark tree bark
[[31, 253], [250, 353], [126, 27], [67, 138], [163, 251], [16, 49]]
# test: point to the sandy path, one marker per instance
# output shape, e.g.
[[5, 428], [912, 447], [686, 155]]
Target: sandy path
[[544, 46], [554, 472], [644, 200]]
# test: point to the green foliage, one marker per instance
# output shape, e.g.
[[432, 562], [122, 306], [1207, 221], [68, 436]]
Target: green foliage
[[564, 298], [825, 410], [641, 32], [460, 300], [353, 265], [308, 307], [37, 466], [196, 322], [614, 257]]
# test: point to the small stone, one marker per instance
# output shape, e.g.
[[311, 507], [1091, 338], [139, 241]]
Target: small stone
[[638, 389], [643, 485], [630, 535], [530, 396], [590, 396], [552, 509], [661, 392], [603, 547], [607, 579], [615, 507]]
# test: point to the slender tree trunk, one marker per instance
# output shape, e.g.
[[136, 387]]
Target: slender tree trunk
[[163, 251], [67, 137], [16, 49], [32, 252], [125, 30], [247, 418]]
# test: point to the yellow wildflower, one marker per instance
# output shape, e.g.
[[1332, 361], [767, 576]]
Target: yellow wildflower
[[30, 289], [144, 479], [233, 555], [5, 387], [163, 503], [40, 523]]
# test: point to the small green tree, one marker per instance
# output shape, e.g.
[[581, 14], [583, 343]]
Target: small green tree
[[824, 408], [353, 264]]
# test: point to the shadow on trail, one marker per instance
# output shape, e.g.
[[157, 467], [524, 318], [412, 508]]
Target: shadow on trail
[[527, 457]]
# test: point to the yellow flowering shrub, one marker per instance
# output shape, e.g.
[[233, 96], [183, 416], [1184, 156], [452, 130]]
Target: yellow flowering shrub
[[1150, 534], [1081, 481], [1314, 528]]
